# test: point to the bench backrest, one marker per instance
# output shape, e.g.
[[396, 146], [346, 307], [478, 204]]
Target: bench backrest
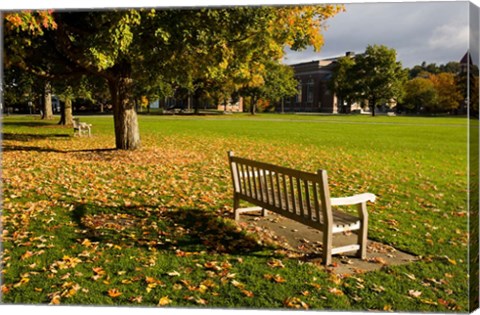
[[298, 195], [76, 123]]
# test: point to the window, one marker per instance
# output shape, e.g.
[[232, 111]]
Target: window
[[310, 85], [298, 97]]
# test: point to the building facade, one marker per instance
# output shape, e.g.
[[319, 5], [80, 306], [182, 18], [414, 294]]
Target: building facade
[[314, 94], [314, 91]]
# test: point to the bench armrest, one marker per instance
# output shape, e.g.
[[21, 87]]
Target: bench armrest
[[352, 200]]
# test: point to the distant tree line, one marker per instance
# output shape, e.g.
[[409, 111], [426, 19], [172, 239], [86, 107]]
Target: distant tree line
[[376, 78]]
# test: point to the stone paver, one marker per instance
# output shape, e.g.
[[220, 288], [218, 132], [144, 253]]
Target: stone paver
[[306, 240]]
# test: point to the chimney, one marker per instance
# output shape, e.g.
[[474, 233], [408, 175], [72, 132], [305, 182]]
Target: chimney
[[350, 54]]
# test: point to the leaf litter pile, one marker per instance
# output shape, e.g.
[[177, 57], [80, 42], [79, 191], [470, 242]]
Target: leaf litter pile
[[85, 224]]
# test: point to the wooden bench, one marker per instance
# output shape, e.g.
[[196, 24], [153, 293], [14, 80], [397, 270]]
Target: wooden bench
[[81, 127], [300, 196]]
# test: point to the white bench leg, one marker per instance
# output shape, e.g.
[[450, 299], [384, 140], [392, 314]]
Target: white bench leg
[[264, 212]]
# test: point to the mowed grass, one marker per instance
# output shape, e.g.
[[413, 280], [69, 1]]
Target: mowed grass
[[86, 224]]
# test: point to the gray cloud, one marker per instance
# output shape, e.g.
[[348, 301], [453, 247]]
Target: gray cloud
[[419, 31]]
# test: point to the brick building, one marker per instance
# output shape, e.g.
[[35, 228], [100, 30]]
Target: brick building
[[314, 93]]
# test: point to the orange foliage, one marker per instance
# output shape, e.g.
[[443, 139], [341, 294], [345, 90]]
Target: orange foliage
[[34, 22]]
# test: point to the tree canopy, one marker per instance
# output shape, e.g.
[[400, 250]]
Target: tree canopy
[[192, 48], [375, 76]]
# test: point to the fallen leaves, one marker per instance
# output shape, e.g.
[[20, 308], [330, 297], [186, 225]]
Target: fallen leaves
[[189, 176], [296, 303]]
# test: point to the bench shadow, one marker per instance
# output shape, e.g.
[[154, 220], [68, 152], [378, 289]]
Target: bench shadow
[[177, 230]]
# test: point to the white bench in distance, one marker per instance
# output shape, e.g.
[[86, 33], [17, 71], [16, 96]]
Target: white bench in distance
[[80, 128]]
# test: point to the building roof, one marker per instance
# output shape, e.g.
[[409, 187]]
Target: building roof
[[466, 59]]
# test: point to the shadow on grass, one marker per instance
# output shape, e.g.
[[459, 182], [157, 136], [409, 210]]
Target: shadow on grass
[[9, 148], [32, 136], [187, 230], [37, 123]]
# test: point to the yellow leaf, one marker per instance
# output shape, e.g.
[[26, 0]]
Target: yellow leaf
[[27, 254], [428, 301], [86, 242], [98, 270], [279, 279], [200, 301], [5, 289], [275, 263], [150, 280], [21, 282], [237, 284], [247, 293], [113, 293], [164, 301], [335, 291], [55, 300]]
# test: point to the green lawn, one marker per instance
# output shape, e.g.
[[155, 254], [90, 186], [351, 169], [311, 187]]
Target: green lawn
[[86, 224]]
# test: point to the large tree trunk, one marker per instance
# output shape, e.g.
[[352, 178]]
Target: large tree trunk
[[127, 135], [253, 105], [196, 101], [47, 112], [66, 117], [374, 101]]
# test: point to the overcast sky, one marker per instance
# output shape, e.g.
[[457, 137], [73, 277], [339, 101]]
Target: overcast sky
[[435, 32]]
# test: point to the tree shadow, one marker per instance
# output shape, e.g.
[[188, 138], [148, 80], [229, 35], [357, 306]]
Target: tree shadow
[[25, 137], [185, 230], [8, 148], [37, 123]]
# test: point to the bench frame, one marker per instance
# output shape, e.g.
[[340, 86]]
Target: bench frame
[[300, 196]]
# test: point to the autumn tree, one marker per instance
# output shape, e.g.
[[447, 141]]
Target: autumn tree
[[449, 95], [279, 82], [185, 45], [28, 49]]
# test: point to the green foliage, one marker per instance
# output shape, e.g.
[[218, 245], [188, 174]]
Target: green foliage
[[420, 92], [420, 70], [343, 80], [375, 76], [379, 77]]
